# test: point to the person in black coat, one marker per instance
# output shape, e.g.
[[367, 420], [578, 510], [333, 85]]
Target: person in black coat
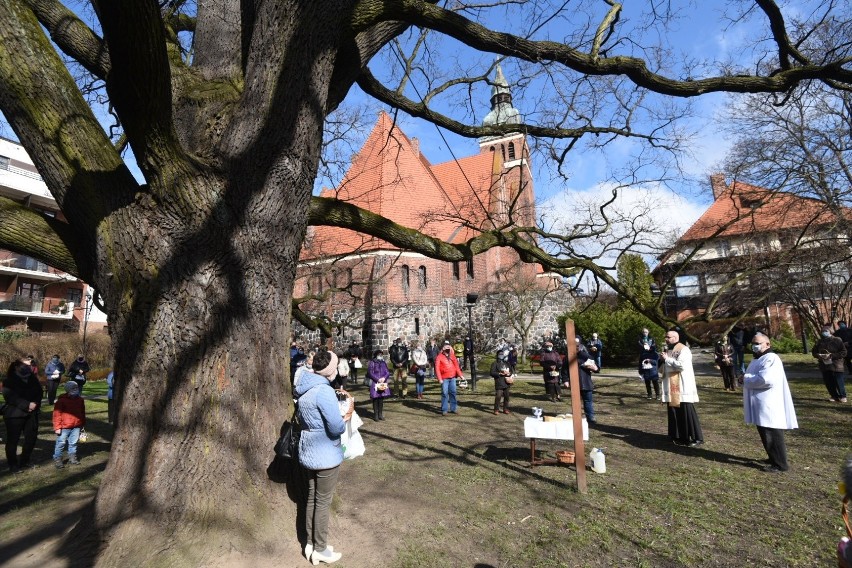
[[501, 373], [22, 393], [587, 366], [737, 339], [77, 371]]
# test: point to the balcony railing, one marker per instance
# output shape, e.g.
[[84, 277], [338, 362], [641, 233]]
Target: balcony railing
[[24, 263], [31, 305]]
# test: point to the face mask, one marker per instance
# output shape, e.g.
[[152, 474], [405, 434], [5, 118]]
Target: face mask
[[826, 334], [548, 348], [380, 358], [756, 349], [647, 347], [842, 326]]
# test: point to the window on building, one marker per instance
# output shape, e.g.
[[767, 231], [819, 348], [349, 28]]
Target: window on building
[[406, 275], [417, 326], [511, 150], [470, 269], [74, 295], [686, 286], [28, 290], [456, 273], [714, 282], [421, 277], [836, 274], [723, 248], [4, 162]]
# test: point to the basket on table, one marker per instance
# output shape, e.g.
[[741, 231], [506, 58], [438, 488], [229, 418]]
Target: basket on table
[[565, 456]]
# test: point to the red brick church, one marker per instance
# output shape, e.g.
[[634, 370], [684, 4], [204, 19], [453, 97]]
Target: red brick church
[[377, 292]]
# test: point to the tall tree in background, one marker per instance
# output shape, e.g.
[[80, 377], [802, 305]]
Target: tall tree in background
[[521, 298], [223, 103], [635, 279]]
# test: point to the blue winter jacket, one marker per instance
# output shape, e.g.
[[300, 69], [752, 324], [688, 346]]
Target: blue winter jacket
[[322, 425]]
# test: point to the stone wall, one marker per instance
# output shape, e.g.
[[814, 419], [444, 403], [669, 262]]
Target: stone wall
[[448, 319]]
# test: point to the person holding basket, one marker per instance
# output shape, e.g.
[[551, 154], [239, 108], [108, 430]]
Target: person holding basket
[[378, 374]]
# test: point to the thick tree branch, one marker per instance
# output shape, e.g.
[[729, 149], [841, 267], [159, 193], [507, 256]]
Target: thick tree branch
[[354, 57], [136, 36], [479, 37], [78, 162], [74, 37], [27, 232]]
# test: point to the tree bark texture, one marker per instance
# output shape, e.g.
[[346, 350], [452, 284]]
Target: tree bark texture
[[196, 266]]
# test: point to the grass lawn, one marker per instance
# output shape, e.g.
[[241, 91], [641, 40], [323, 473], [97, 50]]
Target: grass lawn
[[435, 491]]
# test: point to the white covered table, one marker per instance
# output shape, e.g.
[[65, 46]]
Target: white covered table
[[554, 430]]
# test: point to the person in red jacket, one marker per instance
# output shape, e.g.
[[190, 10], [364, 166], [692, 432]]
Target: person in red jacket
[[447, 370], [69, 417]]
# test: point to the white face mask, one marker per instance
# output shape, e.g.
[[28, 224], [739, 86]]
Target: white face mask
[[548, 348], [380, 358], [756, 348]]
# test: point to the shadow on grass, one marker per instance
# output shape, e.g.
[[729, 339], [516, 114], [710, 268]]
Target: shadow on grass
[[649, 441]]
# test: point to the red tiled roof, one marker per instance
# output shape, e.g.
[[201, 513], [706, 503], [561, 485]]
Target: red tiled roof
[[742, 209], [389, 176]]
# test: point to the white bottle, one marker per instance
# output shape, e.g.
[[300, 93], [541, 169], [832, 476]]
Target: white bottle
[[598, 460]]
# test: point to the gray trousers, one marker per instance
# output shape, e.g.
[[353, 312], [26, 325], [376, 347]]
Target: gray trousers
[[321, 484]]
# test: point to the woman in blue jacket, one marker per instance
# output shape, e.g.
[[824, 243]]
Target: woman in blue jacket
[[320, 451]]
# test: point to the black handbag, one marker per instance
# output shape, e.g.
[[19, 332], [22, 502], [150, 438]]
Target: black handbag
[[287, 446]]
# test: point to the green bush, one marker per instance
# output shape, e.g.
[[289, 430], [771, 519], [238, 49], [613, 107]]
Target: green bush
[[786, 341], [619, 330]]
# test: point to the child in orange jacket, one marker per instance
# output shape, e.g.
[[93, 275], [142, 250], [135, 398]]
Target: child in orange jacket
[[69, 417]]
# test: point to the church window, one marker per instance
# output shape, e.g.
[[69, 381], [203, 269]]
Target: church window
[[417, 326], [511, 150], [503, 150], [456, 270], [470, 269], [405, 278], [421, 277]]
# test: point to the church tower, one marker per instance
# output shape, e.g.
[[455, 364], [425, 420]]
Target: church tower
[[511, 163], [511, 147]]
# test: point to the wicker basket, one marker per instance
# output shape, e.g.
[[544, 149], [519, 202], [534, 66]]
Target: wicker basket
[[565, 456]]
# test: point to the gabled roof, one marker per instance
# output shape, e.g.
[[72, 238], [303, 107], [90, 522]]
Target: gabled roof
[[742, 209], [391, 177]]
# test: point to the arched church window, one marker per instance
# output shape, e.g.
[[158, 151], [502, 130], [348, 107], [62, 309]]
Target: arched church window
[[405, 277], [511, 150], [421, 277]]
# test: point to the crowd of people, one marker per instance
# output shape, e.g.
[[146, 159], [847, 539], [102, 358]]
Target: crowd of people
[[23, 395], [667, 372]]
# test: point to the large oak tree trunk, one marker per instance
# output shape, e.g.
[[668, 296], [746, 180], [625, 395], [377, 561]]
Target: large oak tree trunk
[[202, 326]]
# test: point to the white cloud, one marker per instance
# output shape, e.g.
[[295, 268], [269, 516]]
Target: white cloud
[[659, 214]]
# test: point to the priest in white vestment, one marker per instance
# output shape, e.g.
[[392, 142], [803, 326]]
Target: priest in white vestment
[[767, 402]]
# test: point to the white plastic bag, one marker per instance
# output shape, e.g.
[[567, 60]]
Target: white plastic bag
[[351, 440]]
